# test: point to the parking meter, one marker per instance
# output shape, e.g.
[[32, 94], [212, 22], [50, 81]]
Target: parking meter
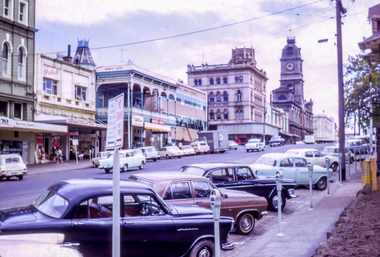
[[340, 169], [328, 175], [216, 202], [310, 168], [279, 178]]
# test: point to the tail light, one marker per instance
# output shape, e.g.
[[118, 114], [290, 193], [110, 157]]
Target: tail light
[[256, 172]]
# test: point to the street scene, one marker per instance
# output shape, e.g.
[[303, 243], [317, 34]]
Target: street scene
[[239, 144]]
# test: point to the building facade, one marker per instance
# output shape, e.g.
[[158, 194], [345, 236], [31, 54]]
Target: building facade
[[324, 128], [158, 111], [290, 95], [236, 95]]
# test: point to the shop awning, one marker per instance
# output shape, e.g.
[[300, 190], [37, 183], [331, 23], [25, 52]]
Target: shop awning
[[78, 123], [285, 134], [157, 127], [29, 126]]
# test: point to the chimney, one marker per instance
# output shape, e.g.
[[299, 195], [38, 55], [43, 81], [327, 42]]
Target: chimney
[[68, 58]]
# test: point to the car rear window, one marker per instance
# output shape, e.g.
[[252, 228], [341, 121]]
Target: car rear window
[[193, 170], [51, 204], [202, 144], [267, 161], [12, 160], [149, 149], [146, 182]]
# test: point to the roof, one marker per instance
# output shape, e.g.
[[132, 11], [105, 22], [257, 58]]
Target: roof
[[303, 149], [278, 155], [209, 166]]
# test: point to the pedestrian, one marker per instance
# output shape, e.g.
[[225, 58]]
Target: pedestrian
[[237, 140], [59, 155]]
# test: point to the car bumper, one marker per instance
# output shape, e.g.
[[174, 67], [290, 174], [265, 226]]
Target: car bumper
[[291, 193], [13, 173], [228, 246]]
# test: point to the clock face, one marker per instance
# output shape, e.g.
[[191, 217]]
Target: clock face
[[289, 66]]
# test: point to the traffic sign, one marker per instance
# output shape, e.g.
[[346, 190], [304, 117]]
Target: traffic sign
[[115, 122]]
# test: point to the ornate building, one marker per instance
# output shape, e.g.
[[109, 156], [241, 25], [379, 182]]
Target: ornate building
[[290, 95]]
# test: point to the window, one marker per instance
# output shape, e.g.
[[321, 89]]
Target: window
[[218, 115], [309, 154], [222, 175], [225, 97], [289, 50], [211, 97], [238, 96], [225, 114], [317, 154], [7, 8], [20, 63], [236, 80], [5, 58], [202, 189], [211, 81], [80, 93], [50, 86], [200, 82], [282, 98], [286, 163], [17, 111], [239, 115], [101, 100], [51, 204], [218, 81], [211, 115], [195, 82], [3, 108], [244, 174], [225, 81], [22, 10], [300, 162], [178, 190], [241, 80], [218, 97]]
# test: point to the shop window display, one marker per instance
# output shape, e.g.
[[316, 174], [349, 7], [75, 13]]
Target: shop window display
[[8, 147]]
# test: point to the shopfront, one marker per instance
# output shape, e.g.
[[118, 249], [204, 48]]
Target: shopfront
[[158, 133]]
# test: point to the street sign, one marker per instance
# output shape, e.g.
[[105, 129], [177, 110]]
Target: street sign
[[115, 123]]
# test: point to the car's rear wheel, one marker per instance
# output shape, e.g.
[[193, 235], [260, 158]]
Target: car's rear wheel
[[107, 170], [141, 166], [20, 177], [167, 157], [321, 184], [245, 223], [8, 178], [204, 248], [247, 150], [236, 148], [334, 166], [273, 201], [154, 159], [125, 168], [179, 157]]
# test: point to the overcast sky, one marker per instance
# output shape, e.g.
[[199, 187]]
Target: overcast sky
[[213, 28]]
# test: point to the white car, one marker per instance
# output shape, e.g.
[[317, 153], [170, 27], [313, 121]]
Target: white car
[[316, 157], [187, 150], [254, 144], [12, 165], [170, 151], [200, 147], [100, 156], [128, 159]]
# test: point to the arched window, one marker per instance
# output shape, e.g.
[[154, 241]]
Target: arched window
[[225, 114], [218, 97], [241, 80], [200, 82], [211, 97], [225, 81], [282, 97], [236, 80], [5, 58], [20, 63], [218, 81], [171, 97], [225, 97], [211, 81], [238, 97], [211, 115], [195, 82], [218, 115], [241, 115]]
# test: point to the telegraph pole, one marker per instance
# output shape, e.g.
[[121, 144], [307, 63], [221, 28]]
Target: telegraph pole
[[340, 10]]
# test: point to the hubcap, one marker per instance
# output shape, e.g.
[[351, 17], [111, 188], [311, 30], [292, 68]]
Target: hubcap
[[246, 223], [204, 253], [275, 202], [321, 183]]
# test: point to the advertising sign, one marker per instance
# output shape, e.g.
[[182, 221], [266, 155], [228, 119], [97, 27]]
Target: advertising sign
[[137, 121], [155, 99], [115, 123]]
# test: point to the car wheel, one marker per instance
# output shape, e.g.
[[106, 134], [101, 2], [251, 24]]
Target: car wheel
[[245, 223], [273, 201], [236, 148], [94, 165], [141, 166], [321, 184], [154, 159], [167, 157], [247, 150], [8, 178], [334, 166], [204, 248], [352, 160], [107, 170], [20, 177], [125, 168]]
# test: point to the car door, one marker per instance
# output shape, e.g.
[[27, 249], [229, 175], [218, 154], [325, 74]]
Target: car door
[[302, 171], [287, 168], [319, 159], [223, 177], [147, 228], [179, 192], [246, 181], [92, 226]]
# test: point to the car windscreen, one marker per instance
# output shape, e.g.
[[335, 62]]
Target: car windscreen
[[149, 149], [202, 144], [146, 182], [267, 161], [192, 170], [12, 160], [327, 150], [51, 204]]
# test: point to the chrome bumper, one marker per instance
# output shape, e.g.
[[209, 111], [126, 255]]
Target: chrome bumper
[[264, 213], [228, 246], [291, 193]]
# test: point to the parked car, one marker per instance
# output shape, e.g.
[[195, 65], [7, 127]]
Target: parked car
[[128, 159], [254, 144], [217, 140], [292, 167], [150, 153], [184, 188], [100, 156], [316, 157], [200, 147], [169, 152], [241, 177], [81, 209], [334, 151], [12, 165], [232, 145], [187, 150], [276, 140], [357, 145]]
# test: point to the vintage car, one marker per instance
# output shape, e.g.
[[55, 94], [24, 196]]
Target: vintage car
[[81, 209], [276, 140], [200, 147], [12, 165], [292, 167], [128, 159], [169, 152], [232, 145], [150, 153], [254, 144], [316, 157], [100, 156], [334, 151], [184, 188], [357, 145], [241, 177], [187, 150]]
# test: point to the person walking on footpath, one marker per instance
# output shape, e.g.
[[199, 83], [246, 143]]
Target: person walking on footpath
[[59, 155]]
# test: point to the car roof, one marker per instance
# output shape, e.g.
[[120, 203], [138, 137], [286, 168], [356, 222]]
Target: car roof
[[209, 166], [10, 155], [303, 149], [279, 155], [144, 147]]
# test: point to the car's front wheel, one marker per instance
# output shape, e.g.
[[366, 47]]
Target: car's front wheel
[[247, 150], [273, 202], [154, 159], [125, 168], [245, 223], [204, 248], [167, 157], [141, 166], [321, 184], [334, 166], [20, 177], [107, 170]]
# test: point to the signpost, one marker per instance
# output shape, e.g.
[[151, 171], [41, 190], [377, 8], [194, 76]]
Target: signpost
[[75, 143], [115, 133], [215, 202]]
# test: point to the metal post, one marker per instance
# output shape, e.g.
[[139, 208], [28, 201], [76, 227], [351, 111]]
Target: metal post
[[215, 202], [279, 177], [90, 155], [310, 168], [129, 115], [76, 153], [355, 161], [328, 175], [116, 204], [349, 170], [340, 169]]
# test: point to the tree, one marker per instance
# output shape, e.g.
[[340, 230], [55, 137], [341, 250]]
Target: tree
[[357, 93]]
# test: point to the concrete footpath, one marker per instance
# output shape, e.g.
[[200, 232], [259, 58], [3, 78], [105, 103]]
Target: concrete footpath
[[52, 166], [304, 229]]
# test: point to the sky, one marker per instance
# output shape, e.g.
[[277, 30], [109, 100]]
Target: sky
[[164, 36]]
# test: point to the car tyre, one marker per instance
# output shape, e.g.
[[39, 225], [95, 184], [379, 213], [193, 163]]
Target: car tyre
[[352, 160], [203, 248], [236, 148], [167, 157], [141, 166], [321, 184], [247, 150], [107, 170], [125, 168], [20, 177], [8, 178], [245, 223], [334, 166], [272, 202], [154, 159]]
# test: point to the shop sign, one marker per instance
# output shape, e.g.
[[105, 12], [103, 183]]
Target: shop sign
[[137, 121], [80, 122], [51, 73], [68, 134], [156, 121], [75, 141], [115, 122], [157, 127], [6, 122], [87, 135]]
